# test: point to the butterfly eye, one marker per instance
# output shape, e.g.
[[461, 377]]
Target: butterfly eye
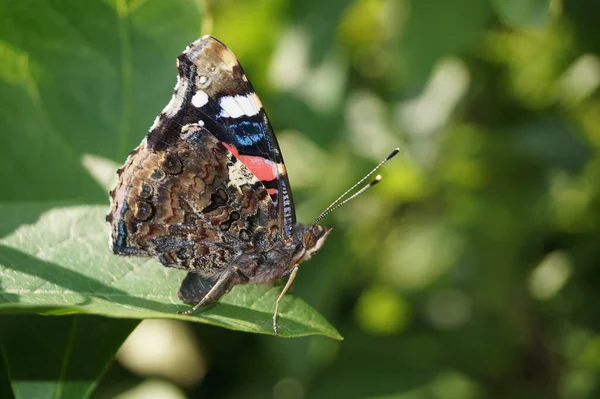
[[317, 231], [309, 239]]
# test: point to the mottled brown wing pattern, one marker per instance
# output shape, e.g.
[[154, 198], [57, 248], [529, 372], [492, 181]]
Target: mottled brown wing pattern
[[193, 205]]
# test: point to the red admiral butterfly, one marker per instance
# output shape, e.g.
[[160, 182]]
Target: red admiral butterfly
[[207, 190]]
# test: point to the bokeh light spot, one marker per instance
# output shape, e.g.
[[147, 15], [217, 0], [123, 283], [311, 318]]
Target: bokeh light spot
[[381, 311], [164, 348], [550, 275], [448, 309]]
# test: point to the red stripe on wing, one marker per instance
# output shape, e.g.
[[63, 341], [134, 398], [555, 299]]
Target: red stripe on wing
[[262, 168]]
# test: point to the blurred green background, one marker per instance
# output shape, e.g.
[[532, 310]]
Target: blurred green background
[[471, 271]]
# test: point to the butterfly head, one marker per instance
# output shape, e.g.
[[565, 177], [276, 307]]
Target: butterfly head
[[311, 238]]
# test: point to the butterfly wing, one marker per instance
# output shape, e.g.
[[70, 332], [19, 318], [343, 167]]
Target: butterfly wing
[[194, 206], [213, 90]]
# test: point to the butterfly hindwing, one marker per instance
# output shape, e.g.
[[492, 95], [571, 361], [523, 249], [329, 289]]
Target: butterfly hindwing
[[192, 205]]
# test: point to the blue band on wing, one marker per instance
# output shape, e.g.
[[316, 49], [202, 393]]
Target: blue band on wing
[[249, 133]]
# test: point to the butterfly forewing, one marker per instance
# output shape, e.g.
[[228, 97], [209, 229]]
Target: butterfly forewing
[[213, 90]]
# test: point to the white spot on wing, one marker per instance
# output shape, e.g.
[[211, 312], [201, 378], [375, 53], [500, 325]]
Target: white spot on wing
[[200, 99], [191, 128], [281, 169], [239, 174], [155, 123], [176, 102], [236, 106]]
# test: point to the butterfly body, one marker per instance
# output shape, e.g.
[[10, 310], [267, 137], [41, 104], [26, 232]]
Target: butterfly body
[[207, 190]]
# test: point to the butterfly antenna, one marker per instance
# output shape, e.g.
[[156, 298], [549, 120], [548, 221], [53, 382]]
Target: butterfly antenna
[[336, 204]]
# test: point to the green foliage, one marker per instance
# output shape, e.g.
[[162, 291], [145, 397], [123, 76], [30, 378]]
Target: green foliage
[[63, 356], [471, 271]]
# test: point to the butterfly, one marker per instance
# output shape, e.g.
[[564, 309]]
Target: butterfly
[[207, 190]]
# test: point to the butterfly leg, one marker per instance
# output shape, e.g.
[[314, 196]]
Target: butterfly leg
[[280, 297], [194, 284]]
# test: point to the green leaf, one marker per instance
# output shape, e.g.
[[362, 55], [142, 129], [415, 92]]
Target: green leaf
[[82, 78], [61, 264], [59, 357]]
